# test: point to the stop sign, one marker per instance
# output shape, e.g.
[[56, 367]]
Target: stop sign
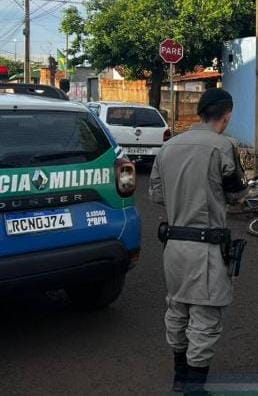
[[171, 51], [4, 70]]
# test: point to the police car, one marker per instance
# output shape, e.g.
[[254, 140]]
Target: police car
[[67, 213]]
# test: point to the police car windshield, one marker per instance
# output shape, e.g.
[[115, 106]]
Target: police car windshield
[[33, 137]]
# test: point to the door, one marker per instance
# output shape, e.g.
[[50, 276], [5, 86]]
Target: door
[[134, 126], [93, 89], [149, 127], [121, 123]]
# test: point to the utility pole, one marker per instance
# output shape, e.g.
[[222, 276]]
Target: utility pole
[[66, 54], [15, 49], [256, 99], [26, 33]]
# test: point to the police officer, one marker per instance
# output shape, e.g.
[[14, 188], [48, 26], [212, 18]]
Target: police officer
[[195, 175]]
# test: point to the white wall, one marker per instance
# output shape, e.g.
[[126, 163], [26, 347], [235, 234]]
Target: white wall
[[111, 74], [189, 86]]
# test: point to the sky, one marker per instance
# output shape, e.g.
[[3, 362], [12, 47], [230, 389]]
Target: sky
[[45, 21]]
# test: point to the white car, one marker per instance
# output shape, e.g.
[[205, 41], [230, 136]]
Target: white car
[[140, 130]]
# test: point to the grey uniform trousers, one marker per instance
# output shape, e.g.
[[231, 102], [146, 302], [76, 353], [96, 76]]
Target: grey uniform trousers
[[195, 328]]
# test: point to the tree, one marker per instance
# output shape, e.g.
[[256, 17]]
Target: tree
[[128, 33], [74, 24], [15, 67]]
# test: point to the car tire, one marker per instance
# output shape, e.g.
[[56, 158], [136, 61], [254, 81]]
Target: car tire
[[96, 295]]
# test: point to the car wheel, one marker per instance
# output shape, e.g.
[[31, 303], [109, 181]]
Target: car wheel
[[96, 295]]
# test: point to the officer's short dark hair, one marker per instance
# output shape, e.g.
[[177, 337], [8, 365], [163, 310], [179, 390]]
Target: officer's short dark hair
[[214, 103]]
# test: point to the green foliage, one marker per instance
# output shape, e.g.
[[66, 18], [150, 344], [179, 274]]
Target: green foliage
[[15, 67], [202, 26], [73, 24], [128, 32]]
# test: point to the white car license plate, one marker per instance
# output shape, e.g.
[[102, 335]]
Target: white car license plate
[[137, 150], [30, 222]]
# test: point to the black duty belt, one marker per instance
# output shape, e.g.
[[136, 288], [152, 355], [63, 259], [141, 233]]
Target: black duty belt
[[215, 236]]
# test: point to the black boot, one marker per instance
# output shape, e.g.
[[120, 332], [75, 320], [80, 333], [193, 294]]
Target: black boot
[[181, 369], [196, 379]]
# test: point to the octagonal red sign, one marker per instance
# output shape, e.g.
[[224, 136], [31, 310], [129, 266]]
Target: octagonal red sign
[[171, 51], [4, 70]]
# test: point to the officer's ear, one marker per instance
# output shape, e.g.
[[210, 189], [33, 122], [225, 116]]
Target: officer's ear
[[225, 121], [228, 116]]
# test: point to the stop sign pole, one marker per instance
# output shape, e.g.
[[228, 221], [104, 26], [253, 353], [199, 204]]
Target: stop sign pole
[[172, 68], [171, 52]]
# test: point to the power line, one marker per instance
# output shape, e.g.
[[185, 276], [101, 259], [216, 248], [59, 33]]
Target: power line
[[7, 52], [18, 4], [11, 32], [40, 8], [9, 19], [47, 12], [9, 29], [8, 11], [37, 9], [43, 11], [47, 8], [33, 41]]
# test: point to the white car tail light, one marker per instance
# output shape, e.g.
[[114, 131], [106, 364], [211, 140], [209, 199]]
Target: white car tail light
[[125, 177]]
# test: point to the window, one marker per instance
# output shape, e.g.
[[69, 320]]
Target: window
[[122, 116], [26, 137], [134, 117], [148, 118]]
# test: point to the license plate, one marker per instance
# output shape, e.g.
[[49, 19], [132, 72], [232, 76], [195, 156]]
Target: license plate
[[137, 150], [30, 222]]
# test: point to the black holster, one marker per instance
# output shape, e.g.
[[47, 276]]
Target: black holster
[[235, 253], [163, 232]]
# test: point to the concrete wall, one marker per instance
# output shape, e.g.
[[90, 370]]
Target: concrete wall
[[78, 91], [124, 91], [190, 86], [45, 77], [111, 74], [185, 108], [82, 74]]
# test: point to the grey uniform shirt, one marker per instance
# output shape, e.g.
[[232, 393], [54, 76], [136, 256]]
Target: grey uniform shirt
[[187, 178]]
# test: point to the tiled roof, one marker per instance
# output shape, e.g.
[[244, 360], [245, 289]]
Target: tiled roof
[[198, 76]]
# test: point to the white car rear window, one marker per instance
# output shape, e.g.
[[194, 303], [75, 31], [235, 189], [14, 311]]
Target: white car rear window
[[134, 117]]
